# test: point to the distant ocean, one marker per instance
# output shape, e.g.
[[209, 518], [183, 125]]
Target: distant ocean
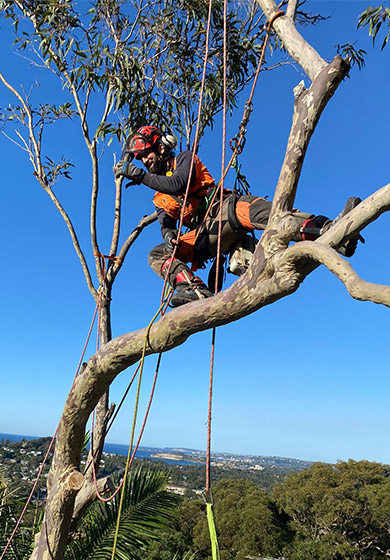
[[116, 448]]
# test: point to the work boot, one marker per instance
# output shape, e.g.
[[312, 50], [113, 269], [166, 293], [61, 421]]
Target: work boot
[[349, 247], [187, 292], [316, 226], [351, 203]]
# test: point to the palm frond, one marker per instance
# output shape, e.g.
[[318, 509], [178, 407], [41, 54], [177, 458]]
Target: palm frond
[[147, 509]]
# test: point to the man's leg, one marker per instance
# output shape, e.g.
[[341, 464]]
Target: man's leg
[[253, 213], [314, 227], [188, 286]]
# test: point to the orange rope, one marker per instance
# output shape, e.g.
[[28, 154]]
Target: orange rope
[[195, 145], [113, 258], [237, 147]]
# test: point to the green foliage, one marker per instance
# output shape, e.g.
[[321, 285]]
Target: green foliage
[[147, 509], [355, 56], [326, 512], [145, 62], [57, 169], [338, 511], [87, 439], [246, 522], [11, 506], [374, 19]]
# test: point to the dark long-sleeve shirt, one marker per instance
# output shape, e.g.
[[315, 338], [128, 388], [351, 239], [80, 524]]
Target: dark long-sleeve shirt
[[176, 183]]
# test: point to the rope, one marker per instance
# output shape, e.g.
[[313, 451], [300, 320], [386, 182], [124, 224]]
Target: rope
[[239, 139], [50, 444], [130, 456], [140, 365], [212, 531], [209, 506], [195, 145], [113, 258]]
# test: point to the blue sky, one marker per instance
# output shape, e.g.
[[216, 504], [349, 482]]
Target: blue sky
[[306, 377]]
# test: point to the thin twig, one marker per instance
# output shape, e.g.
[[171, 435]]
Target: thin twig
[[16, 143], [36, 160]]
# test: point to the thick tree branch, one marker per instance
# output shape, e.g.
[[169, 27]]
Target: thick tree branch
[[308, 108], [367, 212], [291, 8], [303, 53], [87, 496]]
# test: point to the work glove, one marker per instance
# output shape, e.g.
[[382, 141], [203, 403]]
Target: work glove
[[169, 239], [130, 171]]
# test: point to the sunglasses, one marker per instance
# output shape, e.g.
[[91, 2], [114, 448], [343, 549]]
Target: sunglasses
[[142, 153]]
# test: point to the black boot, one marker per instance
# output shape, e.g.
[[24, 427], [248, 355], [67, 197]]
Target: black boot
[[315, 227], [188, 286], [349, 247], [187, 292]]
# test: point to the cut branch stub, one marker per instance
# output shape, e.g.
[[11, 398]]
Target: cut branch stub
[[75, 481]]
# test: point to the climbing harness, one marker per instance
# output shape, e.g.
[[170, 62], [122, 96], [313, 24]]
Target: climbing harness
[[237, 144]]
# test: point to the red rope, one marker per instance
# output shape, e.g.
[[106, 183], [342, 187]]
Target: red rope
[[51, 442], [208, 453], [98, 495], [195, 145], [237, 145], [92, 463]]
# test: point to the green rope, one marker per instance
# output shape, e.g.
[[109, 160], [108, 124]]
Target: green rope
[[212, 531], [128, 461]]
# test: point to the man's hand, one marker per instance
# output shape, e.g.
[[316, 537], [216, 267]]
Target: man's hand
[[170, 239], [130, 171]]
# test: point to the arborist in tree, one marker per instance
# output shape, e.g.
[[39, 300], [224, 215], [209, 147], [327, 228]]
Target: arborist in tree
[[168, 175]]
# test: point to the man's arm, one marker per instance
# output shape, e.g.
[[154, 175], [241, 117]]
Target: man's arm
[[176, 183]]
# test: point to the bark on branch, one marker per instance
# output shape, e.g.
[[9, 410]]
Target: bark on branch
[[308, 108], [299, 49], [265, 282], [357, 287]]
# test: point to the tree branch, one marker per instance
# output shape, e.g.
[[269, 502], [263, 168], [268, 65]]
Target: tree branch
[[303, 53], [144, 222], [35, 158], [308, 108], [75, 240], [360, 217], [41, 176], [359, 289], [292, 8]]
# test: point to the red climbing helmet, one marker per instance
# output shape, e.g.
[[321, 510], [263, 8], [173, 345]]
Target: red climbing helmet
[[143, 139]]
